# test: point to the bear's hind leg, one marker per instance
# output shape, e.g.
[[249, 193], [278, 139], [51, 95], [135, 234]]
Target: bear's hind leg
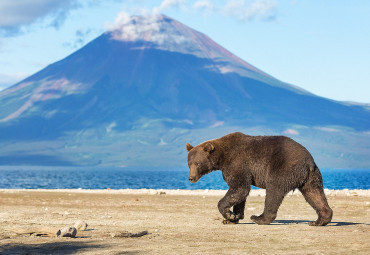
[[315, 196], [273, 201]]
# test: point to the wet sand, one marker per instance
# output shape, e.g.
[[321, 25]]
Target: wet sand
[[177, 222]]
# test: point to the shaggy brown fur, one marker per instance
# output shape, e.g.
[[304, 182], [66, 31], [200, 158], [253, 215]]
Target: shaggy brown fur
[[275, 163]]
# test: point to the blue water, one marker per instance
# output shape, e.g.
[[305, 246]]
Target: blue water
[[138, 178]]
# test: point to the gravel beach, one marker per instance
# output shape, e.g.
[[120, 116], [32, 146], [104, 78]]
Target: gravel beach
[[175, 222]]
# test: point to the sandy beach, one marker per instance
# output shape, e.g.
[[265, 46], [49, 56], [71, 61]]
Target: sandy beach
[[176, 222]]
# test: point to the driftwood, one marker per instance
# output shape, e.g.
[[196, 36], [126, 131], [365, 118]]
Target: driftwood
[[126, 234]]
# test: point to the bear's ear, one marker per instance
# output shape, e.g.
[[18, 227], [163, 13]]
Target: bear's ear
[[208, 147], [189, 146]]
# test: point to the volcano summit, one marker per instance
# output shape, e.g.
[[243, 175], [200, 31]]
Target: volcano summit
[[136, 94]]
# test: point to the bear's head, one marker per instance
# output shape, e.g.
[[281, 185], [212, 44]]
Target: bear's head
[[200, 160]]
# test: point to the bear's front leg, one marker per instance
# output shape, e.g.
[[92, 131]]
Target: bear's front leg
[[233, 197], [238, 209]]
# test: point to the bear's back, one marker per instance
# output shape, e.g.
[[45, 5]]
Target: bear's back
[[269, 149]]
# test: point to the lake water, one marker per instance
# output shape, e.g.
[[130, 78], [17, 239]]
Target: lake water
[[139, 178]]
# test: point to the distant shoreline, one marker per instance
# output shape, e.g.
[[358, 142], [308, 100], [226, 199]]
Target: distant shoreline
[[183, 192]]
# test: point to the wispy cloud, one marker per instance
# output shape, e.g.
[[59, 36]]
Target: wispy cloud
[[205, 6], [129, 28], [167, 4], [16, 16], [291, 131], [148, 28], [81, 36], [248, 10], [242, 10]]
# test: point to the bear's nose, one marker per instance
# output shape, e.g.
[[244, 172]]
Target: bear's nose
[[191, 178]]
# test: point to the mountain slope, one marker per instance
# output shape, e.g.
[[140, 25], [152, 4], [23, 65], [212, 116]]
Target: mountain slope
[[151, 76]]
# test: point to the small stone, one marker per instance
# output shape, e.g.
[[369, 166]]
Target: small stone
[[80, 225], [67, 232], [354, 194]]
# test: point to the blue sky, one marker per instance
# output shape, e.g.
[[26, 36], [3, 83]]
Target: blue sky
[[321, 46]]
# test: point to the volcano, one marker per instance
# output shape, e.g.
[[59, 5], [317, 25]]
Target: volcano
[[137, 93]]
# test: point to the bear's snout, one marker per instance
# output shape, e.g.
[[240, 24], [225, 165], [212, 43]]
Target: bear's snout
[[193, 179]]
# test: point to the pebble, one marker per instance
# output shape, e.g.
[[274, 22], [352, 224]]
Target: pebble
[[67, 232], [80, 225]]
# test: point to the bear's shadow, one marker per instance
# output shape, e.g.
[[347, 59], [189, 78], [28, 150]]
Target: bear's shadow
[[291, 222]]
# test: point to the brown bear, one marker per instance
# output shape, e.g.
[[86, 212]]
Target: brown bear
[[275, 163]]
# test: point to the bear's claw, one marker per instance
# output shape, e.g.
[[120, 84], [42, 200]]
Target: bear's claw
[[225, 222], [231, 218]]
